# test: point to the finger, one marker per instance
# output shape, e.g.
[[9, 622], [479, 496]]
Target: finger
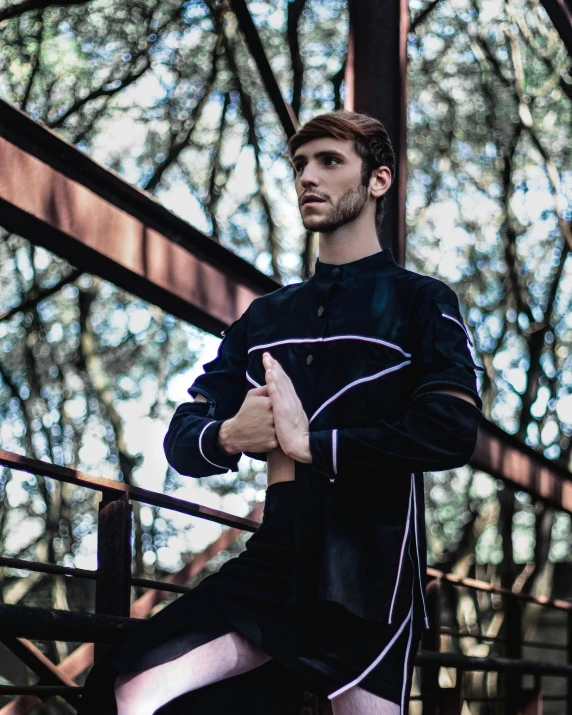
[[262, 390]]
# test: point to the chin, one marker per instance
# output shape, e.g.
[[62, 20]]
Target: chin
[[315, 223]]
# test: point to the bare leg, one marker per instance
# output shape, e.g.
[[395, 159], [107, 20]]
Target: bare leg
[[144, 691], [357, 701]]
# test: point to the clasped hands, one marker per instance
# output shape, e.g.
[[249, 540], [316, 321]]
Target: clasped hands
[[270, 417], [290, 419]]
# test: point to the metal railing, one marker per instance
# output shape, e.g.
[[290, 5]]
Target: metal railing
[[111, 620]]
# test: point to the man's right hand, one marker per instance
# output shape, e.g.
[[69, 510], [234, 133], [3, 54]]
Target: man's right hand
[[252, 428]]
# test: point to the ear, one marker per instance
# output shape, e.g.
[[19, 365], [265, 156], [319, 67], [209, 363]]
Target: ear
[[380, 181]]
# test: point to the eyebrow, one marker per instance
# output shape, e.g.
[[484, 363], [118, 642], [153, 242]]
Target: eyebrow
[[320, 155]]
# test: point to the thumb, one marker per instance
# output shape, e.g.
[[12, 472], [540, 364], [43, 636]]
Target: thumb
[[261, 391]]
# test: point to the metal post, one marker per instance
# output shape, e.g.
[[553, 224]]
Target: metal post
[[569, 661], [113, 585], [432, 642], [451, 699], [513, 620], [376, 83], [531, 702]]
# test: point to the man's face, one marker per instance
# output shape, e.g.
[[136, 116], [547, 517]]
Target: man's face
[[329, 183]]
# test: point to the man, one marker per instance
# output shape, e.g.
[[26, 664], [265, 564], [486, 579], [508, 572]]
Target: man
[[350, 384]]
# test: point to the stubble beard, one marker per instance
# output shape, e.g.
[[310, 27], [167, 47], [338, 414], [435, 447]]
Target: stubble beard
[[347, 208]]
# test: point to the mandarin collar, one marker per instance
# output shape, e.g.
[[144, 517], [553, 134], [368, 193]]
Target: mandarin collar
[[376, 261]]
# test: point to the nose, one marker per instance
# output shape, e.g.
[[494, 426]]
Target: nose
[[308, 177]]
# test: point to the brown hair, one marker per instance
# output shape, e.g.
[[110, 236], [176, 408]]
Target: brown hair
[[371, 143]]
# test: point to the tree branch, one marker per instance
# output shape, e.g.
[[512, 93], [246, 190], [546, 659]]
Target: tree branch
[[16, 10]]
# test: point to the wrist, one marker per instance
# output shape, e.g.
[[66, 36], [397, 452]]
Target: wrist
[[225, 438], [300, 449]]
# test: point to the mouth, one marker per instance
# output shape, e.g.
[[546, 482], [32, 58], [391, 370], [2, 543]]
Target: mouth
[[311, 199]]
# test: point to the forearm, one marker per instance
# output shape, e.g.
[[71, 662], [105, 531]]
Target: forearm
[[192, 443], [438, 432]]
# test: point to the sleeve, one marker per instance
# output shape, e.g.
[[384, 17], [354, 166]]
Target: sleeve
[[438, 431], [191, 443]]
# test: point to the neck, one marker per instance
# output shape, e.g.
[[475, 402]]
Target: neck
[[350, 242]]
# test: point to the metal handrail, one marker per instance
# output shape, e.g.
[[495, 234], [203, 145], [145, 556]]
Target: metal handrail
[[112, 487], [107, 626]]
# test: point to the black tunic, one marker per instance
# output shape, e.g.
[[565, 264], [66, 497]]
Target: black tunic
[[332, 584], [365, 344]]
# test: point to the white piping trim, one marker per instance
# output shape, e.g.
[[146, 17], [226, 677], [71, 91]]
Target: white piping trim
[[357, 382], [405, 667], [201, 447], [379, 658], [335, 450], [458, 323], [405, 537], [329, 339], [252, 380], [426, 619]]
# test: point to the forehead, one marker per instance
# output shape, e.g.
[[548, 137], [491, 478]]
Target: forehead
[[345, 147]]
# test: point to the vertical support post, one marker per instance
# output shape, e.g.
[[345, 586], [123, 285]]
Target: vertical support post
[[452, 698], [432, 642], [569, 661], [513, 617], [376, 83], [113, 585], [531, 702]]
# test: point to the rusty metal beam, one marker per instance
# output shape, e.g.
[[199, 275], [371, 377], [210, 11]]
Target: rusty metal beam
[[114, 489], [376, 83], [81, 659], [504, 456], [100, 223], [560, 12], [248, 28]]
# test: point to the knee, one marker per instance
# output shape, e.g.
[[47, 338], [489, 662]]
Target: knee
[[245, 655], [130, 699]]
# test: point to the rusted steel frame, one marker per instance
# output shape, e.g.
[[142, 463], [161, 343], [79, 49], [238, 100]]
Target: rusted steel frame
[[42, 691], [569, 661], [113, 582], [81, 658], [376, 83], [504, 456], [52, 624], [544, 645], [282, 108], [513, 650], [493, 664], [34, 659], [100, 223], [560, 12], [47, 671], [431, 643], [85, 573], [46, 623], [111, 487], [484, 586]]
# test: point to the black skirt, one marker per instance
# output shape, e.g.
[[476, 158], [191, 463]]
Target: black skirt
[[325, 651]]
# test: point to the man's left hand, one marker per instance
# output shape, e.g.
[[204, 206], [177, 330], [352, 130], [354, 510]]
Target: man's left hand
[[290, 420]]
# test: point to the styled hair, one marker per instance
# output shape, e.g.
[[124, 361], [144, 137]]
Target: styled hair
[[370, 140]]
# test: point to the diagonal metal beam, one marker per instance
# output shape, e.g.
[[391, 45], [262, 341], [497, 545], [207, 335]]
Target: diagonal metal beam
[[248, 28], [504, 456], [101, 224]]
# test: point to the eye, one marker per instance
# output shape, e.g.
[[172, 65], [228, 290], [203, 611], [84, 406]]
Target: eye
[[298, 168], [329, 159]]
